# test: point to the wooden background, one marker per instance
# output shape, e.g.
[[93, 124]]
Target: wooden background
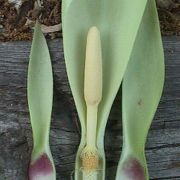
[[163, 144]]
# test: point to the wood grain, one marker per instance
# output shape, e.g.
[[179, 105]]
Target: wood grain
[[163, 144]]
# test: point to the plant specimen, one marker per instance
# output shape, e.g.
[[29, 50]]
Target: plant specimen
[[118, 23], [132, 51], [40, 97], [141, 91]]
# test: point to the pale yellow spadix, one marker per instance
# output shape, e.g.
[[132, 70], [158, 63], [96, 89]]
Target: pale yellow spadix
[[93, 68], [93, 82], [93, 95]]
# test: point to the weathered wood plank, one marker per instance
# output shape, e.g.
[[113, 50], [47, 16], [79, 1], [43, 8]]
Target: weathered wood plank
[[163, 145]]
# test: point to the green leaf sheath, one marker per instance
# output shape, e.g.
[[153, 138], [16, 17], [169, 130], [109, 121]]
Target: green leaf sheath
[[40, 96], [118, 22], [142, 88]]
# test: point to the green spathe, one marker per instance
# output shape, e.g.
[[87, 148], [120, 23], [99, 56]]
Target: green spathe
[[142, 89], [118, 22], [40, 97]]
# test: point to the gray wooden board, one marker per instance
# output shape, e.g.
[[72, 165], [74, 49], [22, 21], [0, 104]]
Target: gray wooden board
[[163, 144]]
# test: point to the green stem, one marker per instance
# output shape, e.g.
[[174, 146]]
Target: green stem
[[91, 125]]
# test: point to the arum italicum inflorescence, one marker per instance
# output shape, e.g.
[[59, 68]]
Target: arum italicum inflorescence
[[118, 23], [132, 51], [40, 97]]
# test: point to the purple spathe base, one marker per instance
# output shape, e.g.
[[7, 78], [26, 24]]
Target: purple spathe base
[[133, 170], [42, 166]]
